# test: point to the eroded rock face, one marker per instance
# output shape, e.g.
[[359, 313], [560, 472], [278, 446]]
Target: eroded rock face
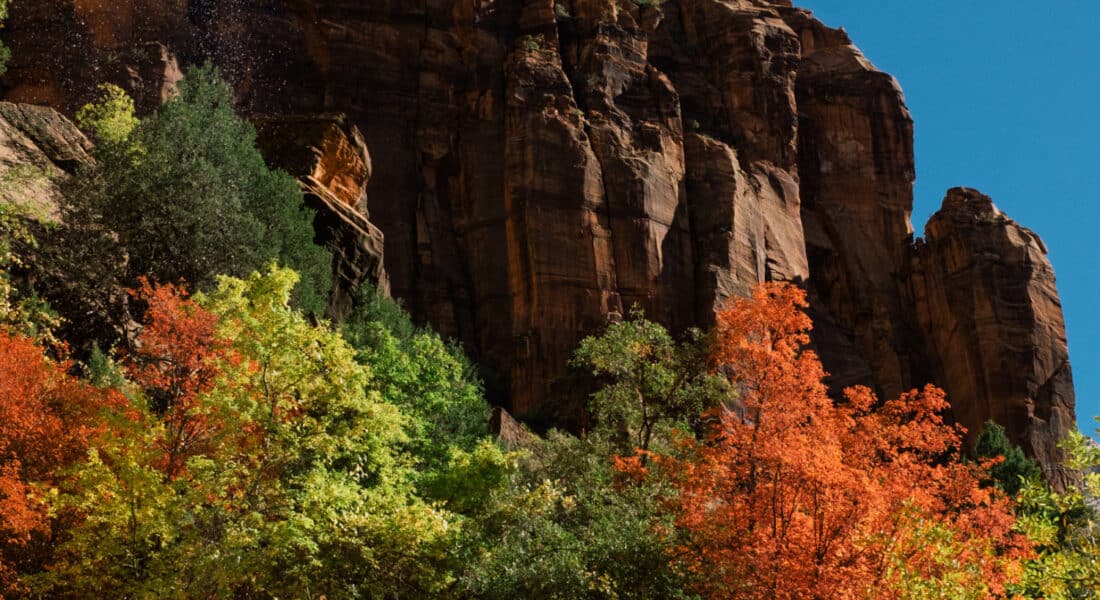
[[987, 305], [857, 171], [540, 166], [333, 166], [39, 148]]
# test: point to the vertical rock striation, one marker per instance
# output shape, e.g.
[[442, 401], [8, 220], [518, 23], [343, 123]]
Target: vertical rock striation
[[987, 305], [857, 171], [541, 166]]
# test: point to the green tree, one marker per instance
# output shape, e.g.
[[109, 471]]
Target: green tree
[[564, 524], [189, 195], [1010, 473], [1064, 528], [429, 380], [652, 384]]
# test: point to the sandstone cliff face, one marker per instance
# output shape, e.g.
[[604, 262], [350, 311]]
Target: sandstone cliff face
[[542, 165], [986, 303], [333, 166], [38, 148]]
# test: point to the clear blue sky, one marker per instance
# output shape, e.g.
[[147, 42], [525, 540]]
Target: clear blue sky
[[1006, 99]]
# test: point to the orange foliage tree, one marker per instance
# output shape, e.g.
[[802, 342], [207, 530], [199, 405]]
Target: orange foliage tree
[[178, 360], [793, 496], [47, 420]]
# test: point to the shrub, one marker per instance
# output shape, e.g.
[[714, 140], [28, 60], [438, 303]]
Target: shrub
[[5, 54]]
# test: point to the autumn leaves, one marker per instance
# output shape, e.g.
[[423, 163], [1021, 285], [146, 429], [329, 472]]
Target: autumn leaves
[[791, 495], [241, 451]]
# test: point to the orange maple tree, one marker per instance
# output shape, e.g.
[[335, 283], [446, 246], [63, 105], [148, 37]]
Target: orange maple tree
[[47, 420], [177, 361], [794, 496]]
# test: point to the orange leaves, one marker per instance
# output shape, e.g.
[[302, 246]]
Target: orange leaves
[[792, 496], [176, 341], [177, 363], [47, 419]]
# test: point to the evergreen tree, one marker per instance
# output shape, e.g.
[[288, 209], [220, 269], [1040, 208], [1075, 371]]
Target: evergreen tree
[[1016, 468], [188, 196]]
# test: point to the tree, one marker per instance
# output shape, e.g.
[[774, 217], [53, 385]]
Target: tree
[[654, 385], [432, 382], [1064, 527], [177, 364], [187, 195], [563, 522], [558, 521], [791, 496], [47, 421], [1012, 467], [265, 469]]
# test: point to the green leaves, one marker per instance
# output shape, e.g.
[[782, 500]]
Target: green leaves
[[1064, 528], [430, 381], [5, 53], [23, 312], [1014, 468], [190, 196], [564, 526], [112, 119], [652, 384]]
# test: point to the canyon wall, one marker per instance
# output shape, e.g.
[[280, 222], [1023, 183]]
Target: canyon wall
[[541, 166]]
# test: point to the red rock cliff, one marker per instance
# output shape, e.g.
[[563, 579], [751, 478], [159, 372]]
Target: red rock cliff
[[540, 165]]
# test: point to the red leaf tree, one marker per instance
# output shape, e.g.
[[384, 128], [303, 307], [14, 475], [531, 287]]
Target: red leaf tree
[[794, 496], [177, 362], [47, 421]]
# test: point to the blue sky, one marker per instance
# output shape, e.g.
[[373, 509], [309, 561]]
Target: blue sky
[[1006, 99]]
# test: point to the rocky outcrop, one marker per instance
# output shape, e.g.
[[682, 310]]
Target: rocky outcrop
[[986, 303], [38, 149], [540, 166], [746, 225], [332, 165]]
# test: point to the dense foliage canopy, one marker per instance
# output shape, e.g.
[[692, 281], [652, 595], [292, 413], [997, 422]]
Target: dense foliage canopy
[[791, 495], [242, 451]]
